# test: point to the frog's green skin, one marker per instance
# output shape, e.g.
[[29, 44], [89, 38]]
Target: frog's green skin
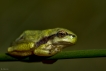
[[42, 43]]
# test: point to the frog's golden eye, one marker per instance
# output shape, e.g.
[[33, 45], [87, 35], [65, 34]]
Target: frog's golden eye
[[61, 33]]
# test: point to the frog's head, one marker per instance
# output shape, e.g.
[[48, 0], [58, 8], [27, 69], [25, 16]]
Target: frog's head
[[54, 41], [64, 37], [57, 36]]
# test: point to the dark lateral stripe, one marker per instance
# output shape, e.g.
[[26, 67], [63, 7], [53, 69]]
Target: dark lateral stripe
[[45, 40]]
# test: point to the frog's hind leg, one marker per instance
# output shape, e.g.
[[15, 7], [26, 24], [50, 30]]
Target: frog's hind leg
[[24, 49]]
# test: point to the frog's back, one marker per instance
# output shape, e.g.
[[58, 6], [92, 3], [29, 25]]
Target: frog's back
[[27, 36], [36, 35]]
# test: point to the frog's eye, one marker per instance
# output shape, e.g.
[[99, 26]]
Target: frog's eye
[[61, 33]]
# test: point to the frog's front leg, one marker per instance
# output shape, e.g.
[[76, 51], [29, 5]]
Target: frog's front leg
[[23, 49], [47, 50]]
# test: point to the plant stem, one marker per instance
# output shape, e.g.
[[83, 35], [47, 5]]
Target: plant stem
[[61, 55]]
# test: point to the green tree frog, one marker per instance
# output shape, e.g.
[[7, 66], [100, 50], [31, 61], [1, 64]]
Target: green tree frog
[[42, 42]]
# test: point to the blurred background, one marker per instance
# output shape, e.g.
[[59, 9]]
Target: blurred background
[[86, 18]]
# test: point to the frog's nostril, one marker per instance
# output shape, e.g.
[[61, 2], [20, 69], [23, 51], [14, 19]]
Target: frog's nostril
[[73, 36]]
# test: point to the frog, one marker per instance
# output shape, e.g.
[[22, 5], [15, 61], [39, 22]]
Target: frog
[[42, 42]]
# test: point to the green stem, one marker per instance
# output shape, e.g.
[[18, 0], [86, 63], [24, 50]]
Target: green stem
[[61, 55]]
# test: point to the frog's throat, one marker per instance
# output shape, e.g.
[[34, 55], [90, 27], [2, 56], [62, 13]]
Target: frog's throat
[[46, 39]]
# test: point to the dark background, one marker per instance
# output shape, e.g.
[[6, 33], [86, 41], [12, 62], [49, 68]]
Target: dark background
[[86, 18]]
